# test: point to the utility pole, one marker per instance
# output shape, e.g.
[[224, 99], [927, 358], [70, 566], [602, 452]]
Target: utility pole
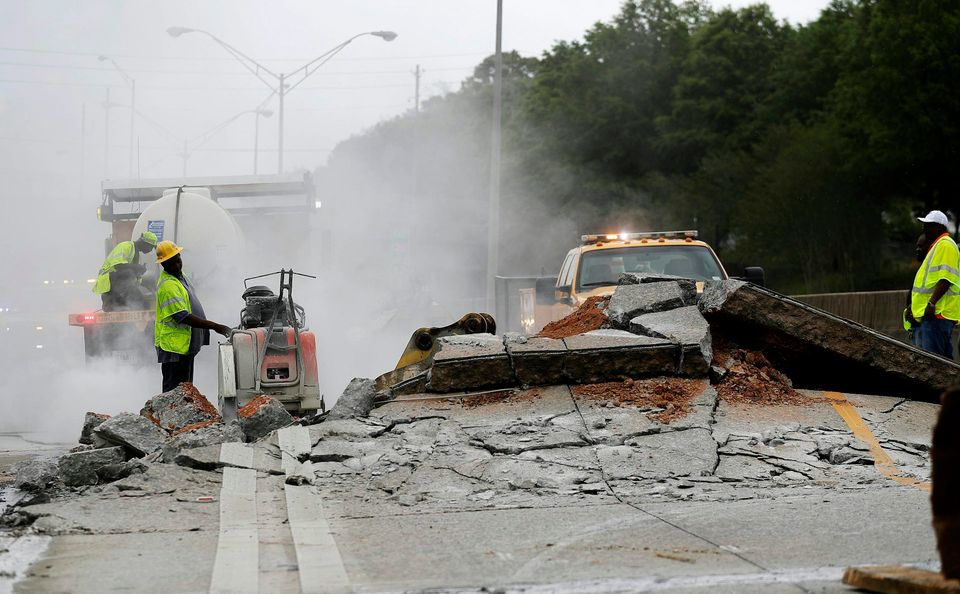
[[133, 112], [256, 140], [106, 136], [493, 218], [83, 144], [280, 92], [416, 92]]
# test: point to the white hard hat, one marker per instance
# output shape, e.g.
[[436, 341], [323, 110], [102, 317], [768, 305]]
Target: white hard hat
[[934, 216]]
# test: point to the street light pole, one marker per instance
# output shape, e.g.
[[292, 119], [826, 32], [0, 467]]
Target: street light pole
[[256, 134], [493, 218], [280, 89], [282, 92], [106, 136], [133, 104]]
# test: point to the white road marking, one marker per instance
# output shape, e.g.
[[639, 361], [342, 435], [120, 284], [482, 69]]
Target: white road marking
[[237, 564], [16, 555], [318, 557], [294, 442], [236, 454]]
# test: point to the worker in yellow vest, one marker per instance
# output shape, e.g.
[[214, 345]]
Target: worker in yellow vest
[[118, 281], [935, 296], [180, 328]]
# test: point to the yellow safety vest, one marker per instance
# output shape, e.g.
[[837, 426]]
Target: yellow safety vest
[[123, 253], [941, 263], [172, 297]]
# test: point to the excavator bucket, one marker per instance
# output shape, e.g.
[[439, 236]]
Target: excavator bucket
[[418, 354]]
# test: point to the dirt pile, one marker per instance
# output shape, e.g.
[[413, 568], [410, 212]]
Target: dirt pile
[[585, 318], [750, 378], [672, 394]]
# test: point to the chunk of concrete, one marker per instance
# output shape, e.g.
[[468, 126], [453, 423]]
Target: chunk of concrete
[[819, 350], [537, 361], [261, 416], [629, 301], [684, 325], [356, 401], [36, 475], [179, 408], [470, 362], [688, 286], [120, 470], [136, 433], [595, 359], [81, 468], [91, 421], [213, 434]]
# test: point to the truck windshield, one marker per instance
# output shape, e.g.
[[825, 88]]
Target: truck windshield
[[604, 267]]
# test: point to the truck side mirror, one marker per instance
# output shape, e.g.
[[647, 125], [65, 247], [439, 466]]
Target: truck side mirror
[[563, 295], [755, 275]]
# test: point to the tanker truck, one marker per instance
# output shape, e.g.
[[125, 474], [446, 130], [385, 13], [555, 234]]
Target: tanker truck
[[224, 224]]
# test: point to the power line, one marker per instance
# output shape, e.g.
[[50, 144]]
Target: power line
[[214, 59], [217, 73], [208, 88]]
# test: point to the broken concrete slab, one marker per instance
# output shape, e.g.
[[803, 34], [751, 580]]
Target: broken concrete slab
[[181, 407], [121, 470], [213, 434], [686, 326], [36, 475], [261, 416], [593, 359], [81, 468], [819, 350], [470, 362], [137, 434], [210, 458], [356, 400], [91, 421], [671, 453], [629, 301], [537, 361]]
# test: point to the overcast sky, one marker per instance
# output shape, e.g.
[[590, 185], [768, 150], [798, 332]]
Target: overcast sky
[[188, 85]]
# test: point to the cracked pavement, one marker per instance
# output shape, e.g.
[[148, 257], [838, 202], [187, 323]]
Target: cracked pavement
[[537, 489]]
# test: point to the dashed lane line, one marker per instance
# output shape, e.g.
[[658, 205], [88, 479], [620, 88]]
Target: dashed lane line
[[318, 556], [236, 567], [881, 459]]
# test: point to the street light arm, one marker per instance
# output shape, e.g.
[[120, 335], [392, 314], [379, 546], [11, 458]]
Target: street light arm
[[205, 136], [254, 67], [126, 77], [312, 66]]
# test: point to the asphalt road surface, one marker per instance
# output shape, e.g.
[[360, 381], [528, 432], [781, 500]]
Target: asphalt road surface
[[545, 491]]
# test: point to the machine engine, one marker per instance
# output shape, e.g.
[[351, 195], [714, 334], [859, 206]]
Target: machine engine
[[271, 353]]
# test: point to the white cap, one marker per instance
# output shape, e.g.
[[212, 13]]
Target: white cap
[[934, 216]]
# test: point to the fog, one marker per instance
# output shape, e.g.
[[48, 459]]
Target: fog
[[390, 255]]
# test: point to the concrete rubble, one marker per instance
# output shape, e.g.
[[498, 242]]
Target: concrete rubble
[[668, 400], [261, 416], [181, 407], [91, 421]]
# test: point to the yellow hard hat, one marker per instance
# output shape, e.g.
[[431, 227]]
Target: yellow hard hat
[[167, 249]]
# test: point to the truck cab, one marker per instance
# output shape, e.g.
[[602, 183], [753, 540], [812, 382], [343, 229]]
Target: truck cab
[[593, 268]]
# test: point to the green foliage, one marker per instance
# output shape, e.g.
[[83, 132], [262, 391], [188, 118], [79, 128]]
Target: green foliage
[[806, 149]]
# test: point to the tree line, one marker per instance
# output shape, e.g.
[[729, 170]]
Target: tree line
[[806, 149]]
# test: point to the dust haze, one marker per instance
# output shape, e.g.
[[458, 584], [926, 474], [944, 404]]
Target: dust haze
[[399, 241]]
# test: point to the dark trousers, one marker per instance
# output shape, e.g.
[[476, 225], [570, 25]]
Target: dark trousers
[[934, 335], [177, 372]]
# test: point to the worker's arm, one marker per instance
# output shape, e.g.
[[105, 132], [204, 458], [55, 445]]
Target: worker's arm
[[939, 290], [197, 322]]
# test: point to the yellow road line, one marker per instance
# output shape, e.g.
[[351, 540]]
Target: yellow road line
[[881, 459]]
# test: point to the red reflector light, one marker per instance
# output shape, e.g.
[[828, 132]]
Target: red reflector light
[[88, 318]]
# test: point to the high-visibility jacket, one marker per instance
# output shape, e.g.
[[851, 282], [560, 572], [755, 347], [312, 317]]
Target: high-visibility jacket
[[123, 253], [941, 263], [172, 298]]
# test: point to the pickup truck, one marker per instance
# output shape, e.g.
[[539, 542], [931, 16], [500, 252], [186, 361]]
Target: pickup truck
[[594, 267]]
